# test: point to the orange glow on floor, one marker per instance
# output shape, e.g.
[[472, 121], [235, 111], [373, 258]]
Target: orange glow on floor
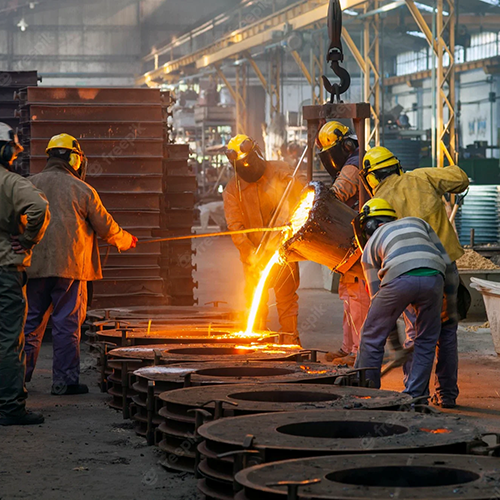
[[436, 431]]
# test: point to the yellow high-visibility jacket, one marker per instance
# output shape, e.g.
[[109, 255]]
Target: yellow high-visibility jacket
[[420, 194]]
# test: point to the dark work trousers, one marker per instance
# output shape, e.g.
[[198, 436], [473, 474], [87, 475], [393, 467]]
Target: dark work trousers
[[425, 294], [446, 382], [13, 392], [66, 300]]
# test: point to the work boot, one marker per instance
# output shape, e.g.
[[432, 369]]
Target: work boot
[[348, 360], [443, 403], [330, 356], [289, 326], [61, 389], [28, 418]]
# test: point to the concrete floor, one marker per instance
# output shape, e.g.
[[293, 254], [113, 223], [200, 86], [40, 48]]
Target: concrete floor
[[87, 451]]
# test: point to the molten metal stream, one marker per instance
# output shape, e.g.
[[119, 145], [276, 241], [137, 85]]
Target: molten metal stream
[[257, 298], [299, 218]]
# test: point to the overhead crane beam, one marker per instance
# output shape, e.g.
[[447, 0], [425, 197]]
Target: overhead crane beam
[[296, 17]]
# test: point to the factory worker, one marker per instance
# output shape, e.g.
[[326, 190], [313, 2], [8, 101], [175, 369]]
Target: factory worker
[[24, 217], [420, 194], [340, 156], [404, 264], [250, 200], [67, 258]]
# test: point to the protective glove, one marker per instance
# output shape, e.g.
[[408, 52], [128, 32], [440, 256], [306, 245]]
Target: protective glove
[[133, 243]]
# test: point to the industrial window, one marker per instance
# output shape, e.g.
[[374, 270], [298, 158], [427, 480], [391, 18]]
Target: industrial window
[[483, 46], [411, 62]]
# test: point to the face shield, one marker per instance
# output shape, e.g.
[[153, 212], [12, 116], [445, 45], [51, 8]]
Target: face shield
[[249, 164], [359, 233]]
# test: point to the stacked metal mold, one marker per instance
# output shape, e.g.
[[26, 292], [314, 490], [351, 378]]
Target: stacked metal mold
[[177, 217], [10, 84], [184, 410], [118, 367], [356, 477], [121, 132], [185, 353], [234, 444]]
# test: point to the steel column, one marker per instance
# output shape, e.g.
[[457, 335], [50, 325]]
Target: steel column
[[371, 55], [444, 48], [238, 93]]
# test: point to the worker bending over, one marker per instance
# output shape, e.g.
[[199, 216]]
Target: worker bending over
[[340, 157], [420, 194], [24, 217], [251, 199], [404, 264], [67, 258]]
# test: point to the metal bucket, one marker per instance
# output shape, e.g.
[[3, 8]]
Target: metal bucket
[[327, 236]]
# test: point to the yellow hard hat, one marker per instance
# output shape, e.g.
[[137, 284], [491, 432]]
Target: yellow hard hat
[[68, 142], [377, 207], [376, 160], [239, 147], [365, 224], [64, 141], [331, 133]]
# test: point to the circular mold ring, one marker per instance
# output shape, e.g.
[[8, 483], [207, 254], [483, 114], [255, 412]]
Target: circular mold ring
[[380, 476]]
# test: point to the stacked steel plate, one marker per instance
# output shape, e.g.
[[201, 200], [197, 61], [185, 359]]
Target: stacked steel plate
[[10, 83], [121, 131], [179, 186]]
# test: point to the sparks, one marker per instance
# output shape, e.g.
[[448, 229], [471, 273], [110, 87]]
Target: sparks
[[301, 214]]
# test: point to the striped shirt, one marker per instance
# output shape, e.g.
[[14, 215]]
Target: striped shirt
[[399, 247]]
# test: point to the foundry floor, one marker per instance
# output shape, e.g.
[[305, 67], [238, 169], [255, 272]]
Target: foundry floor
[[87, 451]]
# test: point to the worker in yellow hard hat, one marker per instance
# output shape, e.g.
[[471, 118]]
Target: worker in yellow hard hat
[[250, 200], [66, 260], [420, 194], [339, 154], [404, 264]]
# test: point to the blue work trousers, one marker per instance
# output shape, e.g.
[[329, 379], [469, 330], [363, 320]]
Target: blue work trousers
[[425, 294], [446, 382], [66, 300]]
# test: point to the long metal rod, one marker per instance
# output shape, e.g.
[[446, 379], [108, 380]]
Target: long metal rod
[[213, 235], [286, 193]]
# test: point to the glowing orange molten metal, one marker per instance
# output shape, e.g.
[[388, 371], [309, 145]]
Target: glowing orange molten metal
[[301, 214], [436, 431], [309, 370]]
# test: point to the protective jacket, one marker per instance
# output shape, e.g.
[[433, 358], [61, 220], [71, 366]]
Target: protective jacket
[[346, 185], [420, 194], [249, 205], [24, 212], [69, 249]]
